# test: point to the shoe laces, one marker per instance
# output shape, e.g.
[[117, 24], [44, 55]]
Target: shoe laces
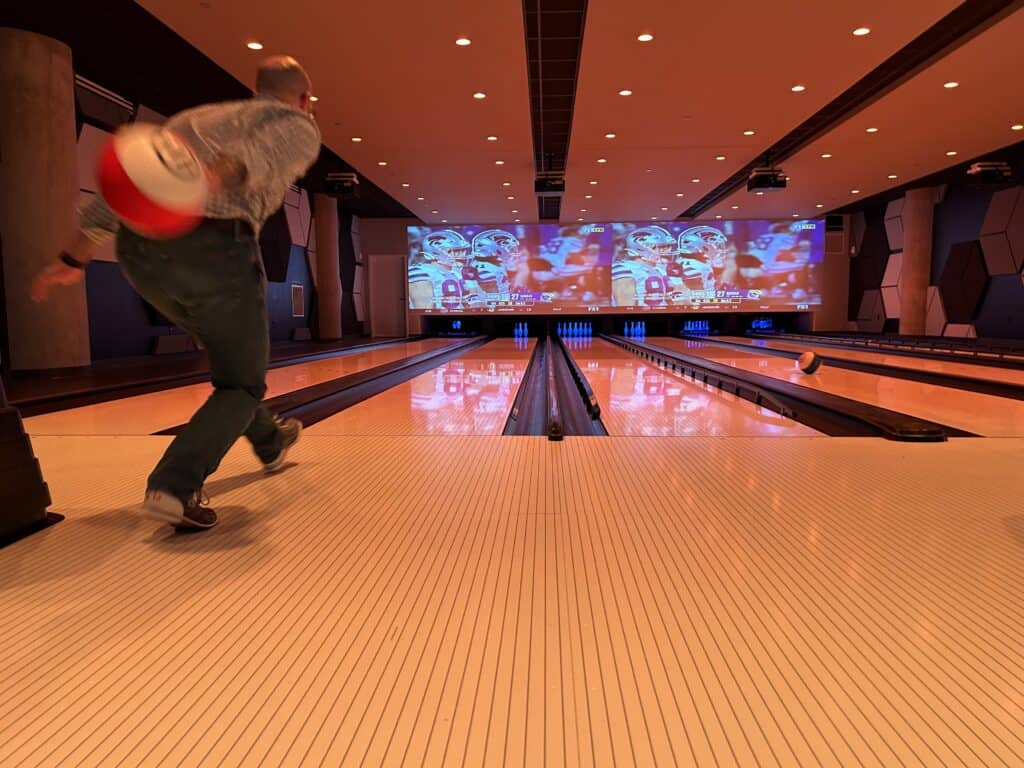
[[200, 498]]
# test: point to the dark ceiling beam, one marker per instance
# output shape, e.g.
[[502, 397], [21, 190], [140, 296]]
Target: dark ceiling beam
[[960, 26]]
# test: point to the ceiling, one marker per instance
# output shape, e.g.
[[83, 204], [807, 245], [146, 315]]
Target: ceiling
[[397, 80]]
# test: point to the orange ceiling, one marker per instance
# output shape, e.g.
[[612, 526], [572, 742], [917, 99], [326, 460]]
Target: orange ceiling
[[394, 77]]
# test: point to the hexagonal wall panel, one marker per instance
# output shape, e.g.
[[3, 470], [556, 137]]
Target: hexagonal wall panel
[[1001, 314], [961, 330], [1002, 233], [935, 320], [891, 301], [871, 317], [963, 281], [893, 270], [894, 224], [858, 225]]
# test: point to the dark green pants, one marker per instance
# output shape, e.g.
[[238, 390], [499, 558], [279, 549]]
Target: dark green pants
[[212, 285]]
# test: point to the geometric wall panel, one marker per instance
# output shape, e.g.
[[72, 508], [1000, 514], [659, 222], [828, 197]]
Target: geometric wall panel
[[1002, 233], [146, 115], [871, 317], [962, 282], [858, 224], [935, 320], [893, 270], [961, 330], [1002, 309], [305, 215], [294, 226], [894, 224], [891, 301]]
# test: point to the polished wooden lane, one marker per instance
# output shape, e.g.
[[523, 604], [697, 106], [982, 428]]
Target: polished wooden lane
[[982, 414], [470, 395], [880, 357], [638, 398], [146, 414], [444, 601]]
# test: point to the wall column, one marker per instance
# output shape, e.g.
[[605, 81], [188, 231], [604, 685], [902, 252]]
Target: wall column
[[918, 214], [39, 199], [328, 267]]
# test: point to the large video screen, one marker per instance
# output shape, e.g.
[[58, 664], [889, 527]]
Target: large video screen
[[741, 265]]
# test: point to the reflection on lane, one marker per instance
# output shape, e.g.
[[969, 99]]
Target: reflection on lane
[[982, 414], [638, 398], [470, 395]]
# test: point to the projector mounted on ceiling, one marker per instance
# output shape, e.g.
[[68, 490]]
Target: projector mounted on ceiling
[[766, 179], [990, 173], [549, 185]]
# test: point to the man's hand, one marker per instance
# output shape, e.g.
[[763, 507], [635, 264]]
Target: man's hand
[[55, 274]]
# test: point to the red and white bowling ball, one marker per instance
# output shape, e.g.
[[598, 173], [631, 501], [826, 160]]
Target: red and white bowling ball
[[153, 181]]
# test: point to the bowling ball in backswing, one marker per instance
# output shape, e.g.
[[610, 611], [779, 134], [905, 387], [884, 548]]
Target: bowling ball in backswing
[[153, 181], [808, 362]]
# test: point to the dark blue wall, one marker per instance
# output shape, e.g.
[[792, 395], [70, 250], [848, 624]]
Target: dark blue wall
[[119, 324], [958, 218], [279, 297]]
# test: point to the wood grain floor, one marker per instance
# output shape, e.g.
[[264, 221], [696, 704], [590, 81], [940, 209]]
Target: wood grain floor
[[476, 601]]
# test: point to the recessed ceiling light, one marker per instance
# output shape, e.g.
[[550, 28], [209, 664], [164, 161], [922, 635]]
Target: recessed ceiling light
[[891, 176], [602, 160], [819, 205], [748, 133], [517, 221], [872, 130], [511, 197], [406, 184], [680, 194], [254, 46], [861, 31], [718, 217], [654, 218], [719, 157], [580, 219], [314, 98], [759, 194], [382, 163], [421, 198], [951, 153], [587, 197], [592, 182], [695, 181], [854, 191], [645, 37], [583, 210], [479, 95], [951, 84], [1017, 127], [463, 41], [515, 210], [499, 162], [444, 221], [506, 183], [435, 211], [735, 207], [664, 209], [609, 135], [625, 92], [798, 88], [826, 155], [357, 139], [492, 138]]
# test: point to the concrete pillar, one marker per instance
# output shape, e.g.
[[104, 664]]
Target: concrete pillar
[[39, 199], [328, 267], [918, 214]]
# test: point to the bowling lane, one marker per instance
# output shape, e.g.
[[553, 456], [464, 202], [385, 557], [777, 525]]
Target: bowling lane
[[638, 398], [982, 414], [470, 395], [146, 414], [983, 372]]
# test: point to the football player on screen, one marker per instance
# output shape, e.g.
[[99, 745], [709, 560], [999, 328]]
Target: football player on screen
[[712, 247], [435, 276], [638, 275], [495, 252]]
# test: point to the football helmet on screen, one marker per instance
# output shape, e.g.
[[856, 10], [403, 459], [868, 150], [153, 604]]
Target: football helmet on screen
[[651, 244], [446, 247], [497, 247], [707, 241]]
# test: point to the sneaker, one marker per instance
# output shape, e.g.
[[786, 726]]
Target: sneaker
[[168, 508], [291, 429]]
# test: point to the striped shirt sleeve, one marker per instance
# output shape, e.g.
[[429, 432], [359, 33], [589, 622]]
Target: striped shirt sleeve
[[98, 222]]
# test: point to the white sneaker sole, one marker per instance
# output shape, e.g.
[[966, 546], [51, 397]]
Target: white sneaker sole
[[164, 509]]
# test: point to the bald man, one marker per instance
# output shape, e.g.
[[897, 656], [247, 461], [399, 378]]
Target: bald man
[[211, 281]]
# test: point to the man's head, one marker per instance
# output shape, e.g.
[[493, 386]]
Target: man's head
[[284, 78]]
